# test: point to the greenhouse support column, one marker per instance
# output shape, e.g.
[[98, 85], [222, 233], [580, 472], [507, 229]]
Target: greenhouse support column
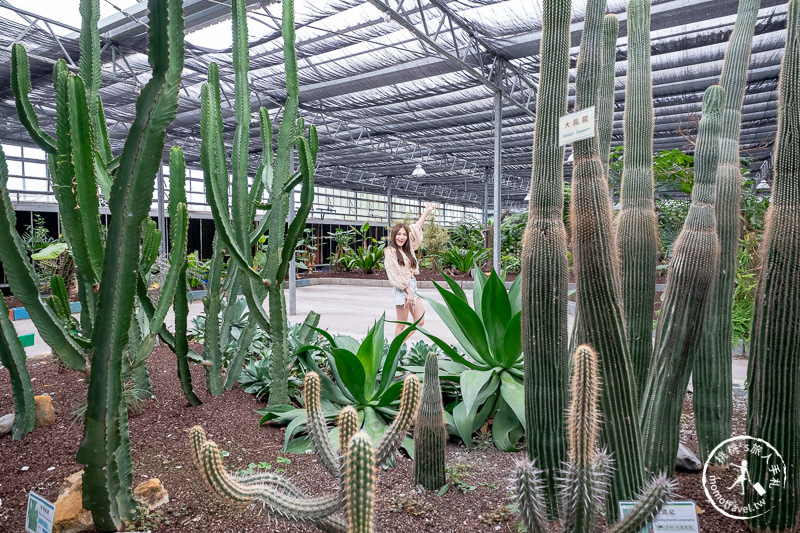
[[498, 146], [485, 212], [292, 266], [162, 226], [389, 208]]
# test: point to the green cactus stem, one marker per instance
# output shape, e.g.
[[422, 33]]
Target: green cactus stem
[[359, 491], [605, 98], [597, 269], [636, 224], [711, 376], [580, 497], [430, 430], [544, 260], [317, 428], [690, 278], [12, 357], [398, 429], [774, 368], [348, 426], [649, 503]]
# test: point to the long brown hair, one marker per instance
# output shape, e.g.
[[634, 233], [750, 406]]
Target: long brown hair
[[406, 248]]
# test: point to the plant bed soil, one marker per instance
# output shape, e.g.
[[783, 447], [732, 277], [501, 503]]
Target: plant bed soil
[[160, 449]]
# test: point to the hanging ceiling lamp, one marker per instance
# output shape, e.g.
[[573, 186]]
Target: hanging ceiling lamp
[[418, 171]]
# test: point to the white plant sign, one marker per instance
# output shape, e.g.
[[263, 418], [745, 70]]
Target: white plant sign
[[576, 126]]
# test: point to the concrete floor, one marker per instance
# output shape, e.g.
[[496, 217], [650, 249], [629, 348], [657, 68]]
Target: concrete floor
[[348, 310]]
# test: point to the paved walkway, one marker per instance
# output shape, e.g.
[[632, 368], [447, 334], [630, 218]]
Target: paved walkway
[[348, 310]]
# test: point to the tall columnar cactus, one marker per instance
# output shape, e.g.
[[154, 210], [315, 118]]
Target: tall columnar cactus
[[774, 371], [605, 98], [597, 268], [544, 259], [636, 225], [584, 481], [430, 430], [713, 394], [109, 268], [353, 467], [234, 222], [12, 356], [681, 320]]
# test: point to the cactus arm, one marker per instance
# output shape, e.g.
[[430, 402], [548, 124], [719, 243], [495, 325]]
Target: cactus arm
[[22, 279], [529, 488], [397, 431], [647, 506], [236, 363], [85, 182], [713, 396], [104, 148], [240, 200], [103, 449], [317, 428], [151, 243], [89, 61], [430, 430], [277, 502], [544, 260], [21, 85], [12, 356], [360, 466], [774, 367], [348, 426], [636, 224], [605, 99], [680, 323], [597, 270]]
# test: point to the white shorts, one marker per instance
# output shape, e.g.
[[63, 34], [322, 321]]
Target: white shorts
[[400, 296]]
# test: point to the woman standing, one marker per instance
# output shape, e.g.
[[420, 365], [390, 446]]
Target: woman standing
[[401, 266]]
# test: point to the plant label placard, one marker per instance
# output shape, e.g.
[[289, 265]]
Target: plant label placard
[[576, 126], [675, 517], [40, 512]]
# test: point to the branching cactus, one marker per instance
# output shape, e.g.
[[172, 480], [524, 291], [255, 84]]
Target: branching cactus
[[430, 430], [109, 268], [584, 481], [636, 224], [544, 259], [596, 257], [12, 357], [234, 221], [681, 320], [713, 390], [774, 370], [353, 466]]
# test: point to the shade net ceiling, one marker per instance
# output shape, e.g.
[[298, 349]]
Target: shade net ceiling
[[385, 99]]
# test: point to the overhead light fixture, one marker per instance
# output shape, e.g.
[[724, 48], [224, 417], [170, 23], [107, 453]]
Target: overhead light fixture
[[570, 158], [418, 171], [528, 197], [762, 186]]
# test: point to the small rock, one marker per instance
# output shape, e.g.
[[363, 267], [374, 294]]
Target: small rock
[[151, 494], [70, 516], [25, 468], [51, 469], [45, 413], [6, 422], [687, 461]]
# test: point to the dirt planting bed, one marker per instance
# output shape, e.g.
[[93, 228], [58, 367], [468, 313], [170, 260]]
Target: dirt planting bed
[[477, 503]]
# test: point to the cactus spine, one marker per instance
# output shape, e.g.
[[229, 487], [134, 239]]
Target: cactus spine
[[713, 394], [544, 259], [605, 98], [430, 430], [529, 488], [234, 222], [597, 268], [774, 369], [680, 323], [12, 356], [356, 479], [636, 225], [655, 494]]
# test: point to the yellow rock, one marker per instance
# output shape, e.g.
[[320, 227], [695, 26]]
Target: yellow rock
[[45, 414], [70, 516], [151, 493]]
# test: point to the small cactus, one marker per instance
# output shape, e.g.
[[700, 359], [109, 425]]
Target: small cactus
[[430, 430], [647, 506], [356, 480], [528, 489]]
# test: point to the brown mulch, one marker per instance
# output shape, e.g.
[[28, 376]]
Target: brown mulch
[[160, 449]]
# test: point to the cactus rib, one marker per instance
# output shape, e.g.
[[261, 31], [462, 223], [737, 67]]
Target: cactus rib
[[430, 430]]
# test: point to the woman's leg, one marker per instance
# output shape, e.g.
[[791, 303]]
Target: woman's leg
[[417, 313], [402, 316]]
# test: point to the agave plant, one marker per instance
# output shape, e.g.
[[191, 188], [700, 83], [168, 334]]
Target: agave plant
[[490, 373], [461, 259], [364, 377]]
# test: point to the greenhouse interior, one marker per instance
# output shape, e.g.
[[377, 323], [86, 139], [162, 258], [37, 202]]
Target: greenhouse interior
[[361, 266]]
